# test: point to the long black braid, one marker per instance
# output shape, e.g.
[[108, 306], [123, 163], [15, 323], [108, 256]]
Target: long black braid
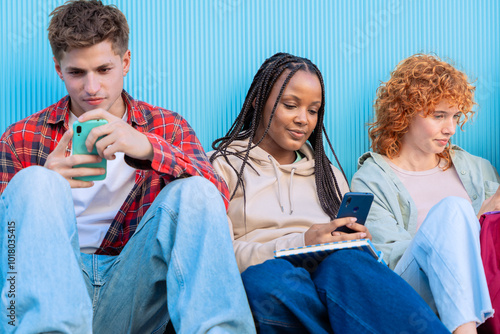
[[245, 126]]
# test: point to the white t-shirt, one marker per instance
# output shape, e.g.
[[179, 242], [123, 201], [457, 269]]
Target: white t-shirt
[[97, 206], [428, 187]]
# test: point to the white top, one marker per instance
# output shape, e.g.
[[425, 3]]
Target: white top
[[428, 187], [97, 206]]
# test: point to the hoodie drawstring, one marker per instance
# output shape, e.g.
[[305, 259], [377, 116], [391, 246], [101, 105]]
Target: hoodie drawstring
[[278, 179], [290, 189]]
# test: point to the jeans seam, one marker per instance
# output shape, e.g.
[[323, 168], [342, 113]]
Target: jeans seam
[[438, 254], [408, 266], [276, 322], [173, 254], [95, 273], [161, 328], [347, 311]]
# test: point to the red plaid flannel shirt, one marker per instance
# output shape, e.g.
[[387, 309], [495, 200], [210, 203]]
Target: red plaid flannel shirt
[[177, 153]]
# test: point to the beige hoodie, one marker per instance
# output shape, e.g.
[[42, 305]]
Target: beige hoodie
[[281, 203]]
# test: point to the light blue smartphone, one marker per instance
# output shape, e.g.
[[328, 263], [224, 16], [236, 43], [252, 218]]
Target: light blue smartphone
[[80, 133]]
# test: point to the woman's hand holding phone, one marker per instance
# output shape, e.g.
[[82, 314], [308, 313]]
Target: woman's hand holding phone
[[349, 224], [323, 233], [354, 204]]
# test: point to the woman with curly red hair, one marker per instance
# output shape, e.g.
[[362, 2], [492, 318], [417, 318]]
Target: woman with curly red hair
[[428, 192]]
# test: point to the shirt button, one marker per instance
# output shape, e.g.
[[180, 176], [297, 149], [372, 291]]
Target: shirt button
[[463, 172], [474, 197]]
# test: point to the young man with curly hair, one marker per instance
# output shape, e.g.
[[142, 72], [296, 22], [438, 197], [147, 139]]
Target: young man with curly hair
[[148, 244]]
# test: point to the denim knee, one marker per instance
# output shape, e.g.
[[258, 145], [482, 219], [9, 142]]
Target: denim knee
[[340, 265], [39, 191], [195, 191], [346, 259], [188, 208], [453, 214], [194, 187], [453, 204], [270, 284], [272, 278], [36, 182]]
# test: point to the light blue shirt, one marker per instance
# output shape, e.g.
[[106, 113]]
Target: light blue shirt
[[392, 220]]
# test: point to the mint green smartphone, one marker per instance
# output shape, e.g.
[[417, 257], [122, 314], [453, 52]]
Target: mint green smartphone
[[80, 133]]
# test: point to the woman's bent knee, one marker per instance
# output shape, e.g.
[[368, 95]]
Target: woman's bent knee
[[453, 215], [271, 277]]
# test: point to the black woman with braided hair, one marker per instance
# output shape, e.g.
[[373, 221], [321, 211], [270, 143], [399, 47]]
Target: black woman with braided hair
[[286, 193]]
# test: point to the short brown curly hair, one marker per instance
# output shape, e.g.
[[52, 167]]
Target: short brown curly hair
[[83, 23], [417, 84]]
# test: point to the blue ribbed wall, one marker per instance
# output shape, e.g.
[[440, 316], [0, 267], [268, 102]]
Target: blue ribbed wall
[[198, 57]]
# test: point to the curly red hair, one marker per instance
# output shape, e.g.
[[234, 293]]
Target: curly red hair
[[417, 84]]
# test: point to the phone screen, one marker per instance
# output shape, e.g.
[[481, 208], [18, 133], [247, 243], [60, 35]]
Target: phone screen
[[80, 133]]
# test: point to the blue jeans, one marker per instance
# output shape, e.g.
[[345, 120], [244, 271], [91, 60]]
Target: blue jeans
[[348, 292], [179, 265], [443, 264]]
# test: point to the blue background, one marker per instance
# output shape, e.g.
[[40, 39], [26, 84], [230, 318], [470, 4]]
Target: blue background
[[199, 57]]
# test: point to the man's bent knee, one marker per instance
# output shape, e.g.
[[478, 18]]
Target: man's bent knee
[[194, 190], [37, 181]]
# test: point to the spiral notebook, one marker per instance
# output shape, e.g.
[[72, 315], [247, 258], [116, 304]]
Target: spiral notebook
[[309, 256]]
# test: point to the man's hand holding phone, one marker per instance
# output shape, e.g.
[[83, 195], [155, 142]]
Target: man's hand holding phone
[[107, 139], [59, 162], [117, 136]]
